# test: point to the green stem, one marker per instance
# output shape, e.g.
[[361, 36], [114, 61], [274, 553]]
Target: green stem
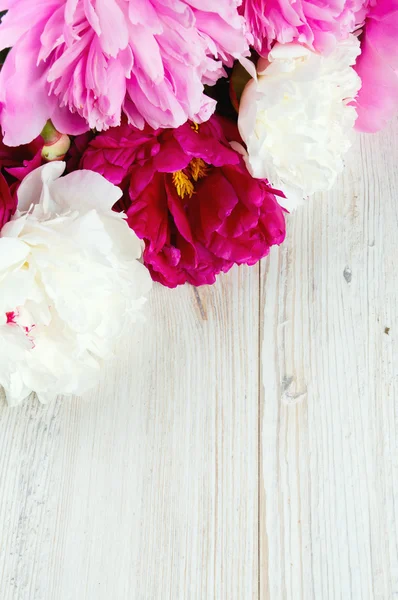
[[49, 134]]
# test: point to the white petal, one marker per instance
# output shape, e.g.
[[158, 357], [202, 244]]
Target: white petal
[[13, 253], [84, 190], [16, 287], [46, 398], [125, 242], [287, 52], [13, 228], [296, 119], [34, 188], [249, 67], [70, 276]]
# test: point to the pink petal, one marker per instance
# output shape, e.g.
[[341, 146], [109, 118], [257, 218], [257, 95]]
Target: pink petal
[[377, 67]]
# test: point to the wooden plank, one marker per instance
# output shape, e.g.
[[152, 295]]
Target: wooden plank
[[329, 468], [147, 489], [151, 491]]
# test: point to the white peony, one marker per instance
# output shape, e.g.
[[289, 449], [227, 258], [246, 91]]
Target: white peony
[[70, 283], [295, 117]]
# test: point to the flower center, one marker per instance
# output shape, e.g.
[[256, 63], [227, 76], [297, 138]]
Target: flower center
[[198, 168], [184, 180], [183, 184]]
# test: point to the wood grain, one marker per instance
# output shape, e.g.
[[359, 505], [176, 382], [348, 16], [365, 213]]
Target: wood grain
[[147, 489], [195, 473], [329, 472]]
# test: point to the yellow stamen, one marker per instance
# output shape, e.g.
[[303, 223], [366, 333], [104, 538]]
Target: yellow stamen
[[183, 184], [195, 127], [198, 168]]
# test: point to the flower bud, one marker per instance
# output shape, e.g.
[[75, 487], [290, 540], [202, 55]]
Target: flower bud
[[56, 144]]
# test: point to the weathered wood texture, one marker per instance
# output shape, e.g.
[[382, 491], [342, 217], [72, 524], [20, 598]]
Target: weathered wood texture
[[244, 444], [148, 488], [329, 488]]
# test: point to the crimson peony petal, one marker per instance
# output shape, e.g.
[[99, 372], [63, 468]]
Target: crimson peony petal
[[8, 203], [190, 197], [224, 200], [15, 164], [149, 214], [177, 211]]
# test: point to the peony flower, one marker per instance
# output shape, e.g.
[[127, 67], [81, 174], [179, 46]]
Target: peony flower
[[295, 117], [189, 195], [15, 164], [76, 150], [8, 203], [70, 283], [315, 23], [84, 64], [377, 66]]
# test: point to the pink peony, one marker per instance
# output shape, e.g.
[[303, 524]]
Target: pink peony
[[377, 66], [189, 195], [84, 63], [315, 23]]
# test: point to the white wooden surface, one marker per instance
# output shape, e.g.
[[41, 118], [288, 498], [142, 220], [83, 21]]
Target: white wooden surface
[[245, 444]]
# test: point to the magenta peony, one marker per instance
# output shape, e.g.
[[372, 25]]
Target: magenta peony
[[19, 162], [377, 66], [84, 64], [315, 23], [8, 202], [15, 164], [189, 195]]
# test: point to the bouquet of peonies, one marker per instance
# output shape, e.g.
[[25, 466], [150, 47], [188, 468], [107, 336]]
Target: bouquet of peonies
[[162, 140]]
